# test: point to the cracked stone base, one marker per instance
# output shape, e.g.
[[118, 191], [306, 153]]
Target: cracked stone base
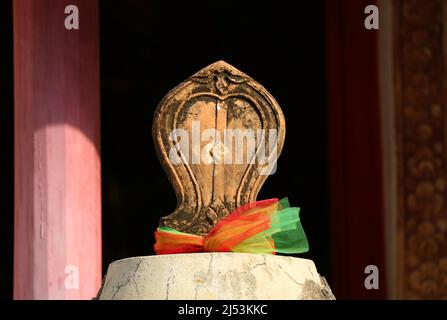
[[208, 276]]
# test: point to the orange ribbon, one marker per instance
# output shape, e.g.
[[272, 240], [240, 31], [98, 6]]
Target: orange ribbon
[[230, 233]]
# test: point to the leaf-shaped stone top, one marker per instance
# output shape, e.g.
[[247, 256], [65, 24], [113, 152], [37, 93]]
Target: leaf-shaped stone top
[[218, 135]]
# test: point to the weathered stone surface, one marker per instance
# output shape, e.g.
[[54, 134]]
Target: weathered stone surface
[[222, 98], [214, 276]]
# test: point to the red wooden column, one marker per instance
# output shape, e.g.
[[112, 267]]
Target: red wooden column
[[356, 186], [57, 156]]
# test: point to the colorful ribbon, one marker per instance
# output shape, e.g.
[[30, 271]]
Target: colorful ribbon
[[267, 226]]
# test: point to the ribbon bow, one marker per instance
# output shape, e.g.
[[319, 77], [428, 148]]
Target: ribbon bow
[[267, 226]]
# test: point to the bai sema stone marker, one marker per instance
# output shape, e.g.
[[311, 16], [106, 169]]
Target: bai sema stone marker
[[212, 177]]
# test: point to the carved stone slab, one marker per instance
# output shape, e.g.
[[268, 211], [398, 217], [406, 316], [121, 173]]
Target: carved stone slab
[[207, 186]]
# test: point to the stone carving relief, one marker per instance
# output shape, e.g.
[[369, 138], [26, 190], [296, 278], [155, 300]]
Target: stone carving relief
[[218, 97]]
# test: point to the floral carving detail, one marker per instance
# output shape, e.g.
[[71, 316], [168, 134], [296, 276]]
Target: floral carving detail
[[429, 280], [222, 84], [424, 243], [425, 200], [421, 138]]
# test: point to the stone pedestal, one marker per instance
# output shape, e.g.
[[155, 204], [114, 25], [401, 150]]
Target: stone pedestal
[[209, 276]]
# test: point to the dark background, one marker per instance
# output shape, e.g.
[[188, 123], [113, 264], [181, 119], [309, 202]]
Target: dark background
[[147, 48], [6, 151]]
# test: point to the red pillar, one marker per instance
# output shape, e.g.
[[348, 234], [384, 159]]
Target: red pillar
[[57, 252]]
